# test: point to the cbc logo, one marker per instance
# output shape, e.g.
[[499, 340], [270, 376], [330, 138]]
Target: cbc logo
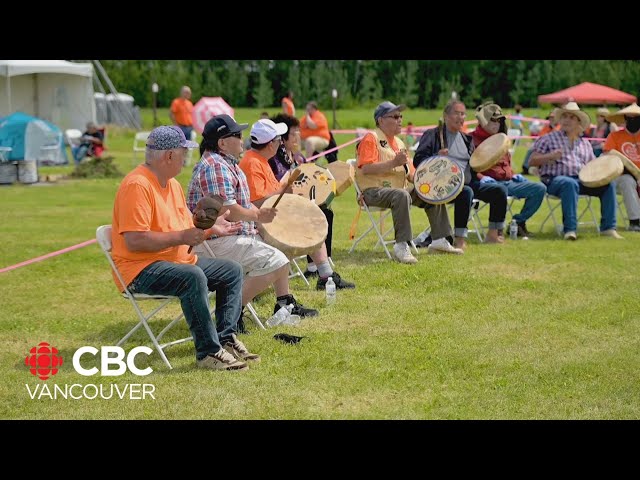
[[44, 361]]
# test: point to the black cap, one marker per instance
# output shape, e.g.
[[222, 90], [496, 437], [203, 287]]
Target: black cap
[[221, 126]]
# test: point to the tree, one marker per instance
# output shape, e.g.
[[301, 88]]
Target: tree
[[263, 93]]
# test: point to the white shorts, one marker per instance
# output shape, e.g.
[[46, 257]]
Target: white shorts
[[256, 257], [318, 144]]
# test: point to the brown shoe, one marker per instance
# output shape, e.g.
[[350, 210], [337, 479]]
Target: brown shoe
[[221, 360], [239, 351]]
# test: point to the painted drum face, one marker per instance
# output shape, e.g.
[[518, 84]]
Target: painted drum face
[[438, 180]]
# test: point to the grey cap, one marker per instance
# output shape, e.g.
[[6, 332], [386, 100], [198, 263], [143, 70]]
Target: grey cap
[[385, 108], [168, 138]]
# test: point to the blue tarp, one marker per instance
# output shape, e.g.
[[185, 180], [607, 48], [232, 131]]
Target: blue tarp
[[13, 133]]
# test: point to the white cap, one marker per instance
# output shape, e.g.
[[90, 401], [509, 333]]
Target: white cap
[[265, 130]]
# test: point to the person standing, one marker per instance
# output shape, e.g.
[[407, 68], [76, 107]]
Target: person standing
[[181, 110], [288, 108]]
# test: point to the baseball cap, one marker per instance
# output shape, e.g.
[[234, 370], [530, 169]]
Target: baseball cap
[[168, 138], [385, 108], [221, 126], [265, 130], [488, 111]]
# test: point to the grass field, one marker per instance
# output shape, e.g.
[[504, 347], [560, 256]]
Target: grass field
[[538, 329]]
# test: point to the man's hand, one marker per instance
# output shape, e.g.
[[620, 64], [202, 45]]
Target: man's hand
[[443, 151], [225, 228], [266, 214], [401, 158], [193, 236]]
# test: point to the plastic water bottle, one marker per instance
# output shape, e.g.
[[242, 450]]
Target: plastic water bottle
[[330, 290], [513, 230], [279, 317]]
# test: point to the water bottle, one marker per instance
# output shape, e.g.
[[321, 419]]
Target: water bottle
[[279, 317], [330, 290], [513, 230]]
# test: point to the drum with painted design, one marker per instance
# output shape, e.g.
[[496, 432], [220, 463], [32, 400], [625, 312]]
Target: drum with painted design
[[315, 183], [438, 179], [344, 174]]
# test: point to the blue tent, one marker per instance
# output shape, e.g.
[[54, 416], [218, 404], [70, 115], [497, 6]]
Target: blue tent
[[27, 135]]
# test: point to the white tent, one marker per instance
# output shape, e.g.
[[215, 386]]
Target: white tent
[[55, 90]]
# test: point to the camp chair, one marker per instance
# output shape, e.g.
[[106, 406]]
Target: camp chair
[[103, 235], [558, 225], [296, 271], [478, 228], [139, 143], [384, 213]]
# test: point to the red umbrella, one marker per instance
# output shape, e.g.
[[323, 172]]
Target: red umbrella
[[206, 108], [588, 93]]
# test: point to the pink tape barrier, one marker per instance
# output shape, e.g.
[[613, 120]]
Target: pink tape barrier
[[48, 255]]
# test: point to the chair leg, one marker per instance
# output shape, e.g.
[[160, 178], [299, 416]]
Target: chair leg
[[254, 315], [298, 272]]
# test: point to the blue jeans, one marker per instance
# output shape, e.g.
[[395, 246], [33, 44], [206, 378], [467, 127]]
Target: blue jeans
[[191, 283], [495, 194], [80, 152], [568, 189], [186, 130], [533, 193]]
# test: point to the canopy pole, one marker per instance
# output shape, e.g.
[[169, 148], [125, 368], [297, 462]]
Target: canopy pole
[[9, 93]]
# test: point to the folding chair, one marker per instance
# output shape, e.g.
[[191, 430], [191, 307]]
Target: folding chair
[[249, 307], [514, 134], [384, 213], [139, 143], [103, 235], [189, 158], [296, 271], [478, 229], [621, 213], [558, 226]]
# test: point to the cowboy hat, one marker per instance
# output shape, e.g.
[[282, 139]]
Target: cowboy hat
[[632, 110], [574, 109], [603, 111]]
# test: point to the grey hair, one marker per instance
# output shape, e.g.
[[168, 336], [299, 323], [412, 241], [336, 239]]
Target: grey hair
[[151, 155], [448, 108]]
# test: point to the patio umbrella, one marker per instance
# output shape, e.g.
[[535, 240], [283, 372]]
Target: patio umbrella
[[589, 94], [206, 108]]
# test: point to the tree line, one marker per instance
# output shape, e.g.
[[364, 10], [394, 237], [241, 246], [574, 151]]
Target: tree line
[[364, 83]]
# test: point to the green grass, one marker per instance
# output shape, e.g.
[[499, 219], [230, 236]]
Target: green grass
[[536, 329]]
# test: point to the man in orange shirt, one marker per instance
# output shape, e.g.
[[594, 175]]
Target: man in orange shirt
[[627, 142], [152, 231], [265, 141], [314, 130], [287, 104], [180, 112]]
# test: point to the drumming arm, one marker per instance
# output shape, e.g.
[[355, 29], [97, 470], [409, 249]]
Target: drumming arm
[[239, 213], [538, 159]]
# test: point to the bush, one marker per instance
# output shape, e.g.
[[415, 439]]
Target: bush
[[97, 168]]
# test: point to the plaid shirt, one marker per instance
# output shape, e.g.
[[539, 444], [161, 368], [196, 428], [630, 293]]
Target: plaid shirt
[[220, 174], [573, 157]]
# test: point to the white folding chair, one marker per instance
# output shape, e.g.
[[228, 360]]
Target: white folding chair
[[622, 213], [473, 218], [558, 225], [384, 213], [189, 158], [514, 134], [103, 235], [249, 307], [139, 143]]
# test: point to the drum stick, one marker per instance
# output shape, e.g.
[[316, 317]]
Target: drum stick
[[292, 178], [441, 129]]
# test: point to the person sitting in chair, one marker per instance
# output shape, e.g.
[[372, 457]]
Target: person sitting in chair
[[91, 143]]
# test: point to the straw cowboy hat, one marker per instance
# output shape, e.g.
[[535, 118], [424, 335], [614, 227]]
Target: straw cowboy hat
[[603, 111], [632, 110], [574, 109]]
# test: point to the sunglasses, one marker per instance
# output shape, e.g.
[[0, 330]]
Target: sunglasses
[[395, 117]]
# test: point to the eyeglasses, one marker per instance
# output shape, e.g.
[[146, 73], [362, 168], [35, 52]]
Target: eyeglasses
[[234, 135], [395, 117]]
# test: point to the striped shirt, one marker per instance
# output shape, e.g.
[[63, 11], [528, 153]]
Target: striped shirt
[[574, 156], [220, 174]]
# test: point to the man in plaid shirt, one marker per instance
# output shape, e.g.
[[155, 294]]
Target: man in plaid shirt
[[561, 155], [218, 173]]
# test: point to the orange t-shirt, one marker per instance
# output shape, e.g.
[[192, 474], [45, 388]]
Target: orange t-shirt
[[321, 122], [287, 106], [626, 143], [181, 109], [142, 205], [368, 150], [260, 178]]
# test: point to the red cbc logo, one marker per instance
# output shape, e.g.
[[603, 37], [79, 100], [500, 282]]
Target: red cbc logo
[[43, 361]]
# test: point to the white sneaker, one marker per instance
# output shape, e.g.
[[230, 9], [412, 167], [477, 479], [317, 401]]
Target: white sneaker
[[611, 233], [570, 236], [442, 245], [403, 254]]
